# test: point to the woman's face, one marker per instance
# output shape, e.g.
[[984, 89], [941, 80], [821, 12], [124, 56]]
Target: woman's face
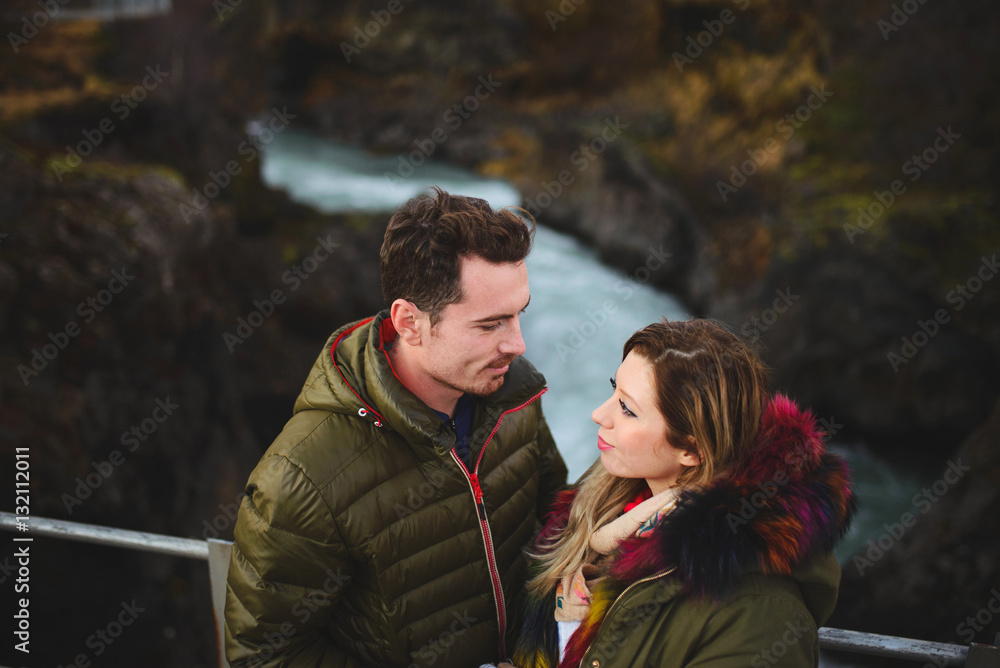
[[633, 433]]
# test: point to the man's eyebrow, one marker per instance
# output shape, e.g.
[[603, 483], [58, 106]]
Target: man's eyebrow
[[501, 316]]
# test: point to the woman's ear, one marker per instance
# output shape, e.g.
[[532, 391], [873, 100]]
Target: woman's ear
[[690, 458]]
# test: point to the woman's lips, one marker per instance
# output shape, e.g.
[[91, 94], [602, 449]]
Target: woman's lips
[[603, 445]]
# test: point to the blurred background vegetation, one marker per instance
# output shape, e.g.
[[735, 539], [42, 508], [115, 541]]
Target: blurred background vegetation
[[697, 92]]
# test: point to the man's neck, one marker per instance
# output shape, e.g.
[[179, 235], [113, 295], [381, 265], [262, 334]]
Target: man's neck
[[431, 392]]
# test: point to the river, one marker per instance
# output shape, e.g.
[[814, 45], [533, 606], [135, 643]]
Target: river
[[581, 311]]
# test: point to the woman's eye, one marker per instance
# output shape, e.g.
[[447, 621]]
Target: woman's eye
[[614, 385], [625, 409]]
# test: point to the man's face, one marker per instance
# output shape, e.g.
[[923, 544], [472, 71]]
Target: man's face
[[471, 346]]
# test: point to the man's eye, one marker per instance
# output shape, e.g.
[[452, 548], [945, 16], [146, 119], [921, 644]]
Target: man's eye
[[491, 328]]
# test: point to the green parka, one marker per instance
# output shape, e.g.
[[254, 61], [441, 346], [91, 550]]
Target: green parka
[[767, 622], [365, 541], [740, 574]]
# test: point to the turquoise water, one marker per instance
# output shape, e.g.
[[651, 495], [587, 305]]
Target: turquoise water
[[335, 178]]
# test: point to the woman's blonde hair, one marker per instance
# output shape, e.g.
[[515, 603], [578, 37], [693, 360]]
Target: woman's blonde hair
[[711, 389]]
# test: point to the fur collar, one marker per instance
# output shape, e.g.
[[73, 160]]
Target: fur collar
[[788, 501]]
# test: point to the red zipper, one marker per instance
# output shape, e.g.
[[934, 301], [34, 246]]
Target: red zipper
[[379, 420], [484, 525]]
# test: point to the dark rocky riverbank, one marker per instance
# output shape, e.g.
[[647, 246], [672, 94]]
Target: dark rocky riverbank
[[145, 363], [932, 573]]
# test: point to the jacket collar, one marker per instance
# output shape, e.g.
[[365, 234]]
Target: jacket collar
[[355, 373]]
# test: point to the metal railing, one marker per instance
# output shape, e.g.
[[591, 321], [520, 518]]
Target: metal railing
[[216, 553]]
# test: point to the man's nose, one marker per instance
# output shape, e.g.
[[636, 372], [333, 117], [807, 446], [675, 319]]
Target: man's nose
[[513, 343]]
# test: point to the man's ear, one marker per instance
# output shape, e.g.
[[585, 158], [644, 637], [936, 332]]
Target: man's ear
[[407, 320]]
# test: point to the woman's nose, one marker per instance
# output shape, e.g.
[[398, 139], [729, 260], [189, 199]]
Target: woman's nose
[[599, 416]]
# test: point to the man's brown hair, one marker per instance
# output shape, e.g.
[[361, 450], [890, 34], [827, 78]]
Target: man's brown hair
[[429, 235]]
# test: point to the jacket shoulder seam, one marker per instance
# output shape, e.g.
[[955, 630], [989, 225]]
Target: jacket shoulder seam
[[317, 490], [359, 452]]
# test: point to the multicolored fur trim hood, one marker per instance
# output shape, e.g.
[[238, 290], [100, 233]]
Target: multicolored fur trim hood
[[787, 502]]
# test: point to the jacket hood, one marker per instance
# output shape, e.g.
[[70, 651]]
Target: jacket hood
[[786, 503], [329, 385], [353, 376]]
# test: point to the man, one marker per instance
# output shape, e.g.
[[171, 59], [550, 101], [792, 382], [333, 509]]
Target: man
[[385, 525]]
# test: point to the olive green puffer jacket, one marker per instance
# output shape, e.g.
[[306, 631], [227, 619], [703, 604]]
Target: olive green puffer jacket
[[364, 541]]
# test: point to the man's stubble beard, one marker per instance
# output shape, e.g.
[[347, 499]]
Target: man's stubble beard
[[480, 391]]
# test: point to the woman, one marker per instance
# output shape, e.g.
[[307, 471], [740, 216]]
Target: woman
[[703, 535]]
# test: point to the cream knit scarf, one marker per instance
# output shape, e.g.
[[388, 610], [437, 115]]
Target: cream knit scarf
[[573, 593]]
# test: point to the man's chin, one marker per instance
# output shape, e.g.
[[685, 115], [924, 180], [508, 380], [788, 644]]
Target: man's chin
[[489, 387]]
